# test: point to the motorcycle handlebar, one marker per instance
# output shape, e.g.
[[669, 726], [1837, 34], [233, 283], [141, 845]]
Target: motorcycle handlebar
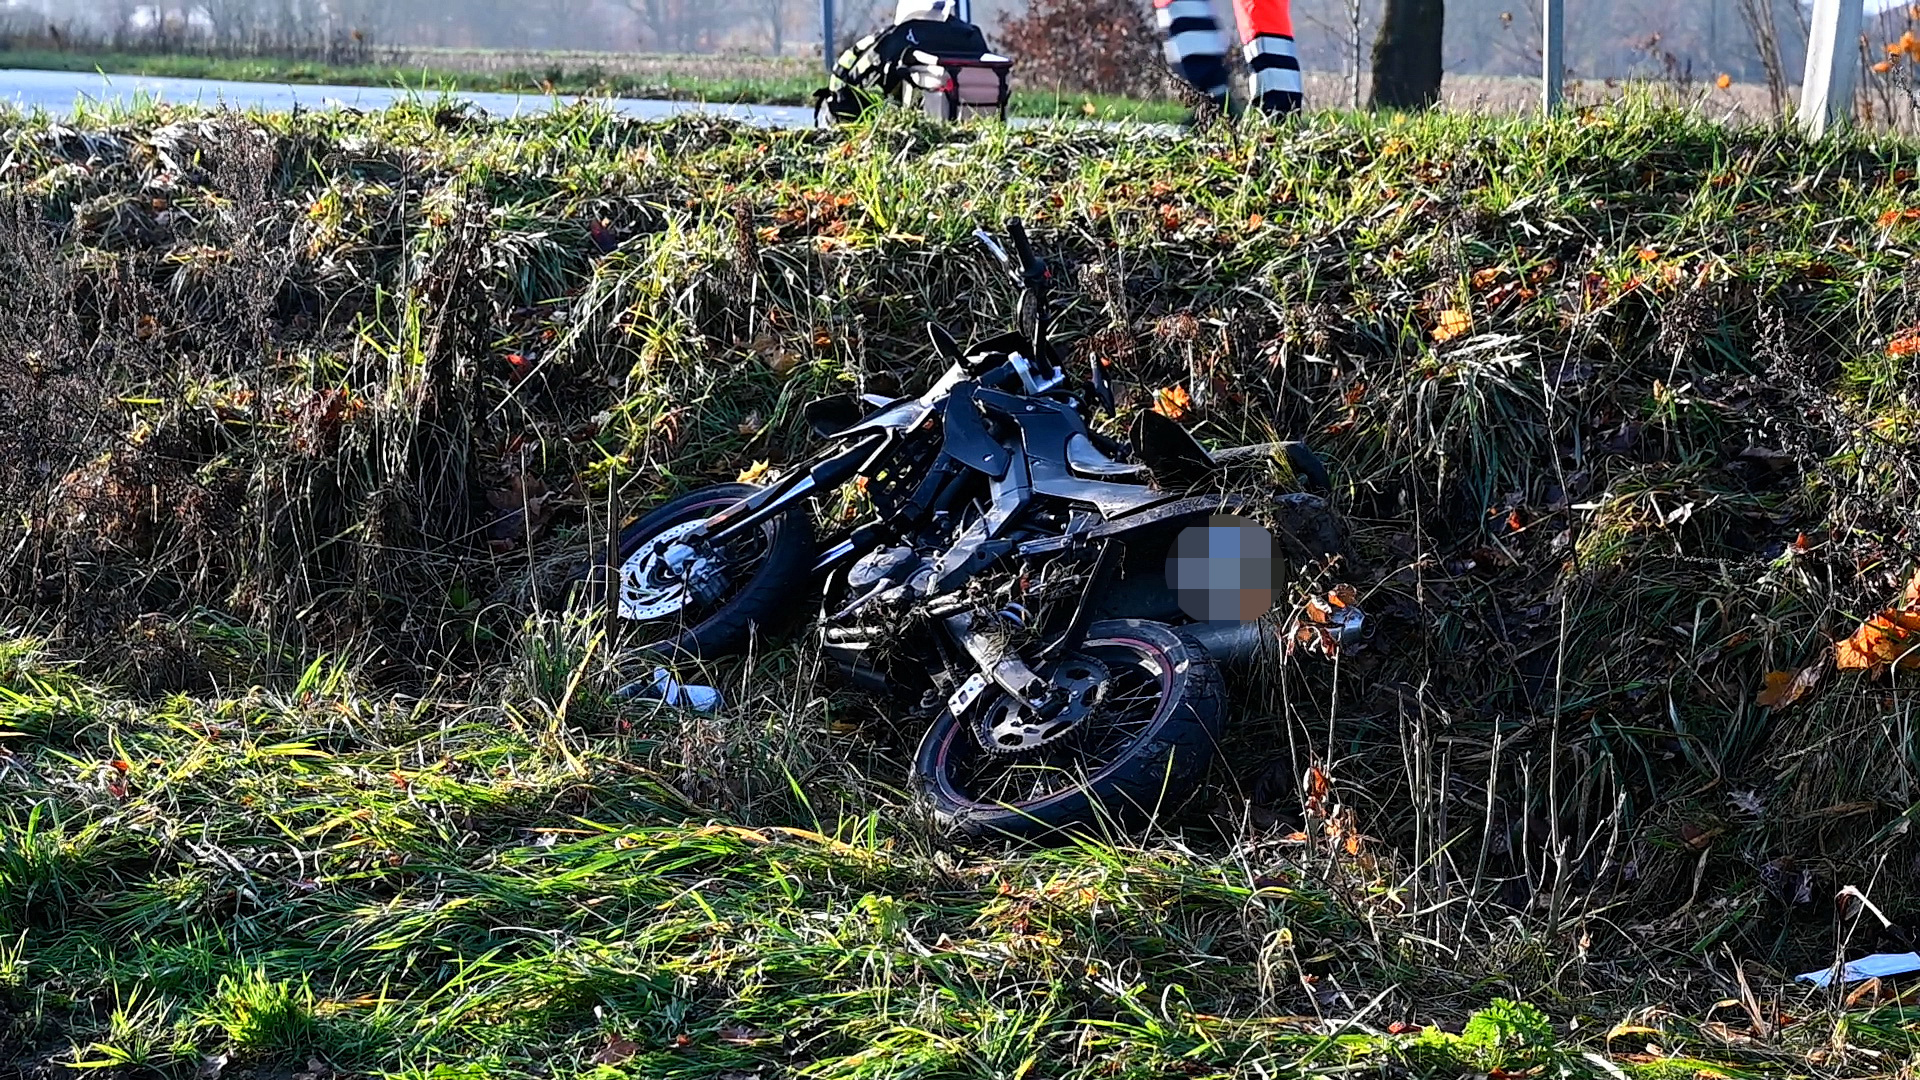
[[1018, 230]]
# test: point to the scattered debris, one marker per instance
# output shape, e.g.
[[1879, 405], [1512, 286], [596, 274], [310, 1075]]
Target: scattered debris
[[617, 1051], [1876, 966], [661, 686], [1329, 623]]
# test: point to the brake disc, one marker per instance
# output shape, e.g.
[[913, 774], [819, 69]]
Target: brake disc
[[650, 588], [1010, 726]]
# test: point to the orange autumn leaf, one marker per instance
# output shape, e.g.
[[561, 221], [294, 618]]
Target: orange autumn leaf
[[1648, 254], [1483, 279], [1254, 221], [1452, 323], [1172, 402], [1883, 67], [1887, 639], [1783, 688], [1317, 784], [1905, 343], [1724, 82]]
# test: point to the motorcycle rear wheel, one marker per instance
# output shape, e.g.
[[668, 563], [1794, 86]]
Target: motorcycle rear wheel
[[1139, 758], [767, 580]]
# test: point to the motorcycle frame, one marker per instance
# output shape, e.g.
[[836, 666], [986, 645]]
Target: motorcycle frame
[[1018, 378]]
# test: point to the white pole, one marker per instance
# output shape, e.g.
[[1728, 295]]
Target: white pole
[[1833, 41], [1553, 52], [826, 34]]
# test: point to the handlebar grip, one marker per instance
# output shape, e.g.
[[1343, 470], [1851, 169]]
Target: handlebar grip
[[1018, 230]]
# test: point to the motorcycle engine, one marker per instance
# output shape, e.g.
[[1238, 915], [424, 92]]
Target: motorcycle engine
[[882, 565], [880, 590]]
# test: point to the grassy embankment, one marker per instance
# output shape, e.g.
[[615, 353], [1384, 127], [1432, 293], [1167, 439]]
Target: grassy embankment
[[1624, 410], [756, 81]]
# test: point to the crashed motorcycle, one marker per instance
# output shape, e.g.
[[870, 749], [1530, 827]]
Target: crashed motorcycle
[[1007, 578]]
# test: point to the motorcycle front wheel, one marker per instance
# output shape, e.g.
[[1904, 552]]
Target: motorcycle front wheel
[[763, 573], [1140, 756]]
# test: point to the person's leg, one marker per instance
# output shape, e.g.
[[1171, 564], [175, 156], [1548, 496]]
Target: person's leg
[[1195, 46], [1266, 31]]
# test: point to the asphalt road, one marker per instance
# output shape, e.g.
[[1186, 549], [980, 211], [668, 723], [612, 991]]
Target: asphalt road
[[58, 92]]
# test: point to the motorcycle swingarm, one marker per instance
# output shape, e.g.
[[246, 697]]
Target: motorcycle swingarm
[[1006, 670]]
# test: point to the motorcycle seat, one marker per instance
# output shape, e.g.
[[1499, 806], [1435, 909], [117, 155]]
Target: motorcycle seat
[[1176, 461]]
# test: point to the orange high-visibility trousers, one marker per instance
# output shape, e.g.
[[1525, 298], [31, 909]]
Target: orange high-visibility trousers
[[1198, 50]]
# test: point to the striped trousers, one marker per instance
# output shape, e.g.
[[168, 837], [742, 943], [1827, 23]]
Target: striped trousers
[[1197, 49]]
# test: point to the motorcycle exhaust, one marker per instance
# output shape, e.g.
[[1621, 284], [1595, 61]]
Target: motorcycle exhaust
[[1236, 643]]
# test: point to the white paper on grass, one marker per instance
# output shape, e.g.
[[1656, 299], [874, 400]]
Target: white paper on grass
[[1879, 965]]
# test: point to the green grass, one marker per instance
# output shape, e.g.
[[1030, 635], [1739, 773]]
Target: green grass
[[778, 86], [299, 768], [429, 890]]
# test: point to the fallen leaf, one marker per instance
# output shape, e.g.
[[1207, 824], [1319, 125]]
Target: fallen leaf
[[1783, 688], [1697, 837], [1889, 638], [1318, 786], [616, 1051], [1724, 82], [519, 365], [754, 473], [520, 510], [1254, 221], [1452, 323], [1648, 254], [1483, 279], [1868, 991], [777, 357], [1172, 402], [1905, 343]]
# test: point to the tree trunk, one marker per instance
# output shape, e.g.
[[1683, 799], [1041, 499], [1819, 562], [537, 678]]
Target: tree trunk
[[1406, 55]]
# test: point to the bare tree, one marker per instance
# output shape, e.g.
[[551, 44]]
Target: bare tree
[[1406, 56], [777, 13], [1765, 30], [672, 24]]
